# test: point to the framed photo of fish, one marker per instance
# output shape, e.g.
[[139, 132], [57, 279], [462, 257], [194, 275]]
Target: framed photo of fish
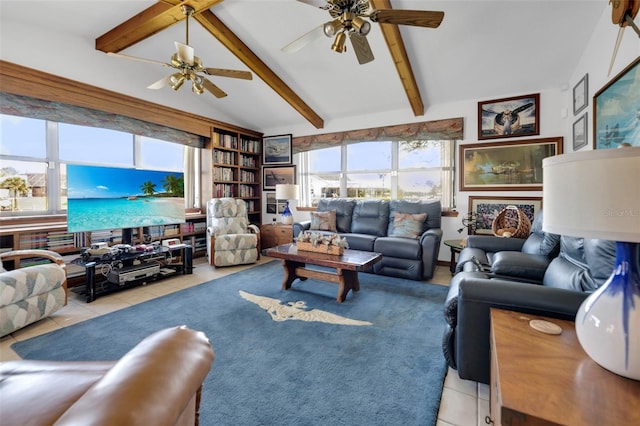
[[276, 149], [616, 110], [509, 117], [506, 166]]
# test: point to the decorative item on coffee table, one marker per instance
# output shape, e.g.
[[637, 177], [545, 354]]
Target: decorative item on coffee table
[[321, 243]]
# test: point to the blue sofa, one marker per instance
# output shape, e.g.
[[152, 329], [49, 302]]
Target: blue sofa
[[371, 225]]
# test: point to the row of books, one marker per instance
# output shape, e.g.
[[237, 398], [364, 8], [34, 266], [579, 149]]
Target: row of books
[[226, 141], [224, 157], [224, 190], [247, 191], [246, 176], [250, 145], [223, 173], [189, 227], [248, 161]]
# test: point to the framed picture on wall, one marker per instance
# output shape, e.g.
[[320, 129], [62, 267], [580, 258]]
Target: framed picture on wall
[[486, 209], [277, 149], [273, 175], [616, 109], [505, 166], [509, 117], [580, 132], [581, 95]]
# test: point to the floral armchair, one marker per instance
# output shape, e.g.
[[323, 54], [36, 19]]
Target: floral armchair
[[31, 293], [231, 239]]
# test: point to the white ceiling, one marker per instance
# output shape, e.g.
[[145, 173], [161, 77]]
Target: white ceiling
[[482, 50]]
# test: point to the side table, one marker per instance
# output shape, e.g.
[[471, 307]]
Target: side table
[[272, 235], [456, 246], [544, 379]]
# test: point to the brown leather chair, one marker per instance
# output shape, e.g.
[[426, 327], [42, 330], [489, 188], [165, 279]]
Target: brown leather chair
[[157, 383]]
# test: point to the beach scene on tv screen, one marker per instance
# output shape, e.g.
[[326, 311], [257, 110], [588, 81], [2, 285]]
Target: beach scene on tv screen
[[110, 198]]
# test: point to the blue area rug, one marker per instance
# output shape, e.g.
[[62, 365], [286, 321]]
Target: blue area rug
[[289, 372]]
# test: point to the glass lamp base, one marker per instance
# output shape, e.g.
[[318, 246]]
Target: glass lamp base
[[608, 321], [286, 217]]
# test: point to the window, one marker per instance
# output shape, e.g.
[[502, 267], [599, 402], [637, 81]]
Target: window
[[34, 154], [386, 170]]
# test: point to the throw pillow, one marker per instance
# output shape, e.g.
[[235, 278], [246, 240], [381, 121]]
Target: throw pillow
[[323, 221], [407, 225]]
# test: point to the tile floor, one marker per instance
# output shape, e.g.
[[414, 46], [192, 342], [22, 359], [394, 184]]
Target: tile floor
[[464, 403]]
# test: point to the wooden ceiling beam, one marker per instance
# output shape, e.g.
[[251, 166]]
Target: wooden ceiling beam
[[236, 46], [150, 21], [394, 41]]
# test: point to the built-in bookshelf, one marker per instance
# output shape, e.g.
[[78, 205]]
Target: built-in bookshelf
[[236, 160]]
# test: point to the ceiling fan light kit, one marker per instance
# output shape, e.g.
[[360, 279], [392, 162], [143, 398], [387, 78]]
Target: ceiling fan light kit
[[351, 17], [188, 66]]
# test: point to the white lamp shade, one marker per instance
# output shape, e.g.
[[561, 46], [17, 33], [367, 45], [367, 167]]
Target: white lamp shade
[[286, 191], [593, 194]]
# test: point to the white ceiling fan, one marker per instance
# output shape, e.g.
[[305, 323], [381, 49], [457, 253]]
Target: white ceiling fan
[[352, 18], [189, 67]]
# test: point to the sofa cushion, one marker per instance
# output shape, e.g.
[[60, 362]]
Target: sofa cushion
[[364, 242], [323, 221], [540, 242], [433, 209], [407, 225], [398, 247], [370, 217], [520, 265], [344, 211]]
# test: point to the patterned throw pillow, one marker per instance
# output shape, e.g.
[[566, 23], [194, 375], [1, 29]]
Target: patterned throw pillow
[[407, 225], [323, 221]]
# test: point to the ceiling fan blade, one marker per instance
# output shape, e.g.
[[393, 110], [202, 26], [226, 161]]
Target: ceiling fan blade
[[163, 82], [185, 52], [245, 75], [302, 41], [134, 58], [361, 48], [418, 18], [213, 89], [322, 4]]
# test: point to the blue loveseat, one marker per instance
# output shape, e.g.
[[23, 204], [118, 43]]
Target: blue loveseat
[[374, 225]]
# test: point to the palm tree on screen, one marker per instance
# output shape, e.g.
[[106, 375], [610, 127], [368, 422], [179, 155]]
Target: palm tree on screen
[[148, 188]]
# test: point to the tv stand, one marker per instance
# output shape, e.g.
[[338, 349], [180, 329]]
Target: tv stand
[[131, 269]]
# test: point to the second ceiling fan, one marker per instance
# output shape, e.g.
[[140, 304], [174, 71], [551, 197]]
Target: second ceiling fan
[[351, 19], [190, 67]]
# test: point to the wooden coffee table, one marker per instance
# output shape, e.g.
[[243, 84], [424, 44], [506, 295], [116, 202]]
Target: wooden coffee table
[[346, 265]]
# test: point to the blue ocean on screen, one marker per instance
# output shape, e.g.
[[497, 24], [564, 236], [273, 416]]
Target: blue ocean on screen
[[110, 213], [100, 198]]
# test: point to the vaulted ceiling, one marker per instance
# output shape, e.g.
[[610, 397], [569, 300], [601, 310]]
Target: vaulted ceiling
[[482, 50]]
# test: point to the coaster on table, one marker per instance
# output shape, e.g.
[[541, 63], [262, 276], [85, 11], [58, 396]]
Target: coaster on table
[[545, 326]]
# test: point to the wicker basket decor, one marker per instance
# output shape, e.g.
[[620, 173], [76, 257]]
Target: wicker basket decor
[[511, 222]]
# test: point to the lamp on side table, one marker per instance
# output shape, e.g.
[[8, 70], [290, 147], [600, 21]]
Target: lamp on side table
[[286, 191], [596, 194]]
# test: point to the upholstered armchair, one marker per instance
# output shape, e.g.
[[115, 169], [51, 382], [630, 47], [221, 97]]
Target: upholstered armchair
[[231, 239], [31, 293]]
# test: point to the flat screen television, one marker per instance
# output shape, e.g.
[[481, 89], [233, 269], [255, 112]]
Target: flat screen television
[[100, 198]]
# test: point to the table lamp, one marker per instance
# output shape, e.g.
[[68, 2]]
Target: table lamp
[[286, 191], [596, 194]]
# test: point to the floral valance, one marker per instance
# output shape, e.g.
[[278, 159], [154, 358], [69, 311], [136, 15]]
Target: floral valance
[[63, 113], [448, 129]]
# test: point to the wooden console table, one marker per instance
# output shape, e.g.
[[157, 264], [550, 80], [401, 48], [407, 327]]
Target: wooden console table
[[544, 379]]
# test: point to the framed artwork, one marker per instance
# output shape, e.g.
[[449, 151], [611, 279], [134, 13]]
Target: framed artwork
[[580, 132], [273, 175], [505, 166], [271, 202], [487, 208], [615, 110], [581, 95], [509, 117], [276, 149]]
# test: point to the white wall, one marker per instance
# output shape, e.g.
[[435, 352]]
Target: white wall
[[556, 113]]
